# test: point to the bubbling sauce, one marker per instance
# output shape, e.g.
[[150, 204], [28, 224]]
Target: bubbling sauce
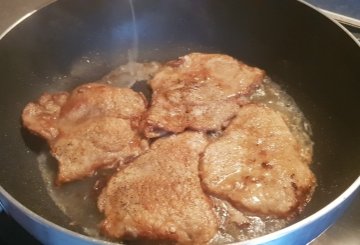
[[78, 200]]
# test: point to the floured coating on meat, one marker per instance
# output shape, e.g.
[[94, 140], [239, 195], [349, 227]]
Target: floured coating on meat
[[257, 165], [159, 196], [92, 127], [95, 143], [233, 76], [41, 117], [198, 91], [95, 100]]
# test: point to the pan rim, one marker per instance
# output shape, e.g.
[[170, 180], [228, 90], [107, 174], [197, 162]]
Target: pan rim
[[25, 16], [323, 13], [352, 189]]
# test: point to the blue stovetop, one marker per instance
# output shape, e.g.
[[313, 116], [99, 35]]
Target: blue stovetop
[[350, 8]]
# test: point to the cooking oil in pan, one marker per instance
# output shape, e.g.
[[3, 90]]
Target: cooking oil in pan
[[77, 200]]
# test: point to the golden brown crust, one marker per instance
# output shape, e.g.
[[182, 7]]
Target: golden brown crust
[[159, 196], [256, 165], [198, 91], [41, 117], [96, 143], [92, 127]]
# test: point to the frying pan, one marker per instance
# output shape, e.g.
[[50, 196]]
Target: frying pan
[[75, 41]]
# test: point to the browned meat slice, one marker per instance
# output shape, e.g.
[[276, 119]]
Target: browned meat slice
[[41, 117], [95, 99], [257, 165], [97, 142], [159, 196], [94, 126], [198, 91]]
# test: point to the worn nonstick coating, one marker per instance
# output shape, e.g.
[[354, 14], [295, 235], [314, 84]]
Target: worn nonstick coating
[[76, 41]]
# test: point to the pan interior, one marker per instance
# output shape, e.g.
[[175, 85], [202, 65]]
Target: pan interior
[[76, 41]]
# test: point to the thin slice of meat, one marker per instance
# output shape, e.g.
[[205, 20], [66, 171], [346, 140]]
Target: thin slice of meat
[[41, 117], [200, 92], [98, 100], [93, 144], [159, 196], [92, 127], [257, 165]]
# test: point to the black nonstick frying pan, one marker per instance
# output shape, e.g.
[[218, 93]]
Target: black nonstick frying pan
[[311, 57]]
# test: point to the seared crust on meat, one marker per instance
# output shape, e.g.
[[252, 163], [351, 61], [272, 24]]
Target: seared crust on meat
[[198, 91], [41, 117], [93, 144], [94, 126], [257, 165], [95, 100], [159, 196]]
